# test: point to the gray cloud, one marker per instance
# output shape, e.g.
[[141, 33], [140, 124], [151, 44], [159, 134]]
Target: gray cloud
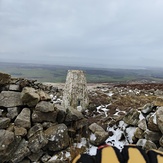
[[106, 33]]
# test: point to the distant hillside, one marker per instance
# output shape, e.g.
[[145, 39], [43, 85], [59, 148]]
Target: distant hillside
[[54, 73]]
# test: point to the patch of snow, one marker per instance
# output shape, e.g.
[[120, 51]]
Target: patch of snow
[[141, 116], [154, 118], [79, 108], [92, 150], [110, 94], [53, 158], [130, 133], [92, 137]]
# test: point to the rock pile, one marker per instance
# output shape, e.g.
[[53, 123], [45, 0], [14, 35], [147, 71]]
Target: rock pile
[[32, 128], [35, 127]]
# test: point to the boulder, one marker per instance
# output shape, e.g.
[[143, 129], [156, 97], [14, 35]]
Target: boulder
[[34, 157], [38, 117], [58, 137], [4, 79], [146, 144], [14, 87], [30, 96], [152, 123], [147, 108], [33, 130], [61, 113], [142, 124], [21, 152], [24, 119], [20, 131], [44, 106], [139, 133], [161, 141], [12, 112], [44, 96], [159, 118], [98, 135], [10, 99], [132, 117], [73, 115], [4, 122], [153, 136], [37, 141]]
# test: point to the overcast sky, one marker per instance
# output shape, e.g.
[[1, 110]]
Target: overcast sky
[[97, 33]]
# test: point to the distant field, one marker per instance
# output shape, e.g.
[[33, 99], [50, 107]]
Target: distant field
[[57, 74]]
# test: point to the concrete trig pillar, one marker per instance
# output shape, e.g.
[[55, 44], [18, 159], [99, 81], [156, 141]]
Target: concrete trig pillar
[[75, 91]]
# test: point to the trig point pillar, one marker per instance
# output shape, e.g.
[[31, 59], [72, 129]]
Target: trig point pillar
[[75, 91]]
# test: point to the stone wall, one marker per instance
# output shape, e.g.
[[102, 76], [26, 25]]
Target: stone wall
[[32, 127]]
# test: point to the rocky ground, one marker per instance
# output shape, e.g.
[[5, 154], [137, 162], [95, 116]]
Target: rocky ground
[[34, 127]]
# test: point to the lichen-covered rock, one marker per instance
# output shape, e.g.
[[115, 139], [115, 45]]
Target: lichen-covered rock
[[142, 124], [8, 145], [98, 135], [4, 79], [4, 122], [20, 131], [37, 141], [159, 118], [147, 108], [153, 136], [73, 115], [146, 144], [58, 137], [24, 119], [132, 117], [21, 152], [38, 117], [10, 99], [61, 113], [44, 96], [139, 133], [152, 123], [30, 96], [44, 106]]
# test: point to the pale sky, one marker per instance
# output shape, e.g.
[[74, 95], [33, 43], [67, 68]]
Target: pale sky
[[95, 33]]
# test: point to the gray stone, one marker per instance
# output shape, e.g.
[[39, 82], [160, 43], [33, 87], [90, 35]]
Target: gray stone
[[20, 131], [44, 106], [12, 112], [73, 115], [8, 145], [38, 116], [152, 123], [21, 152], [30, 96], [99, 135], [14, 87], [45, 158], [36, 156], [159, 118], [10, 99], [132, 117], [161, 141], [58, 137], [61, 113], [33, 130], [75, 90], [44, 96], [147, 108], [25, 161], [23, 119], [4, 122], [142, 124], [153, 136], [139, 133], [4, 79], [146, 144], [37, 141]]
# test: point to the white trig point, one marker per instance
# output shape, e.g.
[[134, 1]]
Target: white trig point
[[75, 92]]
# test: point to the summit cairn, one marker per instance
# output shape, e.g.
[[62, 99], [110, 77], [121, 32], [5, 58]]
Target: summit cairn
[[75, 93]]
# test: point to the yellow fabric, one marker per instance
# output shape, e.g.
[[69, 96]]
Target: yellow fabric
[[109, 156], [76, 158], [159, 159], [135, 156]]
